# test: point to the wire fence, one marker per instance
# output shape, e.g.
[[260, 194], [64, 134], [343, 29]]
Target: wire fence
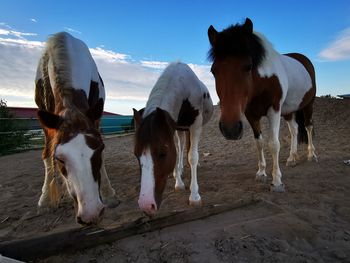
[[21, 134]]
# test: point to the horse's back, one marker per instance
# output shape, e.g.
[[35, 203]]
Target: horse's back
[[177, 84], [68, 64]]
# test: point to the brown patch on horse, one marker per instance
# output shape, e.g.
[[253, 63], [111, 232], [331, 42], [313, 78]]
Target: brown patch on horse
[[95, 143], [267, 93], [187, 115], [94, 94], [156, 132]]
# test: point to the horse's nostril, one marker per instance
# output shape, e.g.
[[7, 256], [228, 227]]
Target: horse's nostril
[[153, 207]]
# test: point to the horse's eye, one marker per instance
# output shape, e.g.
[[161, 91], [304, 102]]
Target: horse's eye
[[248, 68]]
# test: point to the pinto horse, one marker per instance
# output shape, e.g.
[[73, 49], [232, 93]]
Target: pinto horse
[[179, 102], [70, 96], [254, 80]]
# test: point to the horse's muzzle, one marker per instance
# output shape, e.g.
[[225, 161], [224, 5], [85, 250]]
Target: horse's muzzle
[[232, 132]]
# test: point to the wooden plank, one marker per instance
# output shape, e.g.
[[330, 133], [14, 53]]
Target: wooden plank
[[80, 238]]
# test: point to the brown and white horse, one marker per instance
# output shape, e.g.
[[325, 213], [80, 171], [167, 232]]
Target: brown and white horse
[[70, 97], [179, 102], [252, 78]]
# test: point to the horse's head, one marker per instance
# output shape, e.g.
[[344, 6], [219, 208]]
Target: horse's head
[[155, 150], [236, 52], [76, 151]]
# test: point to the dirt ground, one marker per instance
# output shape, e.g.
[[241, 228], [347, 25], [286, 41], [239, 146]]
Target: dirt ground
[[310, 222]]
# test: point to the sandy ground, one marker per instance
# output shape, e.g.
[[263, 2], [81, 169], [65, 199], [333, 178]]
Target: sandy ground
[[310, 222]]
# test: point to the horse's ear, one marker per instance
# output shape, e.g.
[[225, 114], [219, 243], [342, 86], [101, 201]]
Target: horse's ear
[[212, 35], [95, 113], [137, 118], [248, 26], [49, 120]]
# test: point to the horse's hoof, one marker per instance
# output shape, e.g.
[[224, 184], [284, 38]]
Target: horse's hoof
[[261, 178], [111, 202], [195, 203], [291, 163], [277, 188], [312, 158], [180, 187]]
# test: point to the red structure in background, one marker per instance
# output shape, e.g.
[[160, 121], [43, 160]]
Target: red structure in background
[[30, 113]]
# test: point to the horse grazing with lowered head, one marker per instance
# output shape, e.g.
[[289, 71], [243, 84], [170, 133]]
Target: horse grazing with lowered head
[[70, 96], [179, 102], [252, 78]]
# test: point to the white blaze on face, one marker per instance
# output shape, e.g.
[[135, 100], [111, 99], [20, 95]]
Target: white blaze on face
[[76, 155], [147, 201]]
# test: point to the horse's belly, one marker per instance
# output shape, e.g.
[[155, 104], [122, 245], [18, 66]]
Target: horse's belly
[[294, 99], [299, 83]]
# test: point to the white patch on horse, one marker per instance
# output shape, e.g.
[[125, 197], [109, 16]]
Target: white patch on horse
[[76, 155], [176, 84], [77, 67], [146, 198], [291, 74]]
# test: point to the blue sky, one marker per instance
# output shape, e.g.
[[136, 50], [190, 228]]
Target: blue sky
[[132, 41]]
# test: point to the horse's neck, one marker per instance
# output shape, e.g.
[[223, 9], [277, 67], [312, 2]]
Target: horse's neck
[[164, 98]]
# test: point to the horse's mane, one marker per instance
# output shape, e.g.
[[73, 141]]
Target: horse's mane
[[56, 48], [235, 41]]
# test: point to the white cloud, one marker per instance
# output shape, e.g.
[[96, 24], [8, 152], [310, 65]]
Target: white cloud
[[12, 33], [339, 49], [109, 55], [128, 83]]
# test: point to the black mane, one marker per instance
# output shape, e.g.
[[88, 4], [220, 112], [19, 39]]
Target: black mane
[[236, 41]]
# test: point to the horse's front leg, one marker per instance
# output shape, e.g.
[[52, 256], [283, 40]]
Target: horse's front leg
[[180, 147], [274, 146], [195, 132], [108, 195], [261, 173]]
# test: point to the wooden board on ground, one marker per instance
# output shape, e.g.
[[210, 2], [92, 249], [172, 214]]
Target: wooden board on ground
[[79, 238]]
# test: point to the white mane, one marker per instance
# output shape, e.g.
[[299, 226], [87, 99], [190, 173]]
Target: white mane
[[271, 54]]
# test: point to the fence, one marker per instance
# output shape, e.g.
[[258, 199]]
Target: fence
[[29, 135]]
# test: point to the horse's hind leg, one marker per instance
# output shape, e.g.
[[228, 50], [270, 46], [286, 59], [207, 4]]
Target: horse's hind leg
[[195, 132], [293, 129], [308, 110], [180, 147]]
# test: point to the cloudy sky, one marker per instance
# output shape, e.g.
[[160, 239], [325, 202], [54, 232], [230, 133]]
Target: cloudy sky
[[132, 41]]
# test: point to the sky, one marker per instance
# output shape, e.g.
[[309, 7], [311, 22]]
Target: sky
[[133, 41]]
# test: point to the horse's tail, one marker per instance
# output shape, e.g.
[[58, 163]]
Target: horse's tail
[[302, 133]]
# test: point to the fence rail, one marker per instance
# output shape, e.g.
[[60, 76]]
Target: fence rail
[[32, 135]]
